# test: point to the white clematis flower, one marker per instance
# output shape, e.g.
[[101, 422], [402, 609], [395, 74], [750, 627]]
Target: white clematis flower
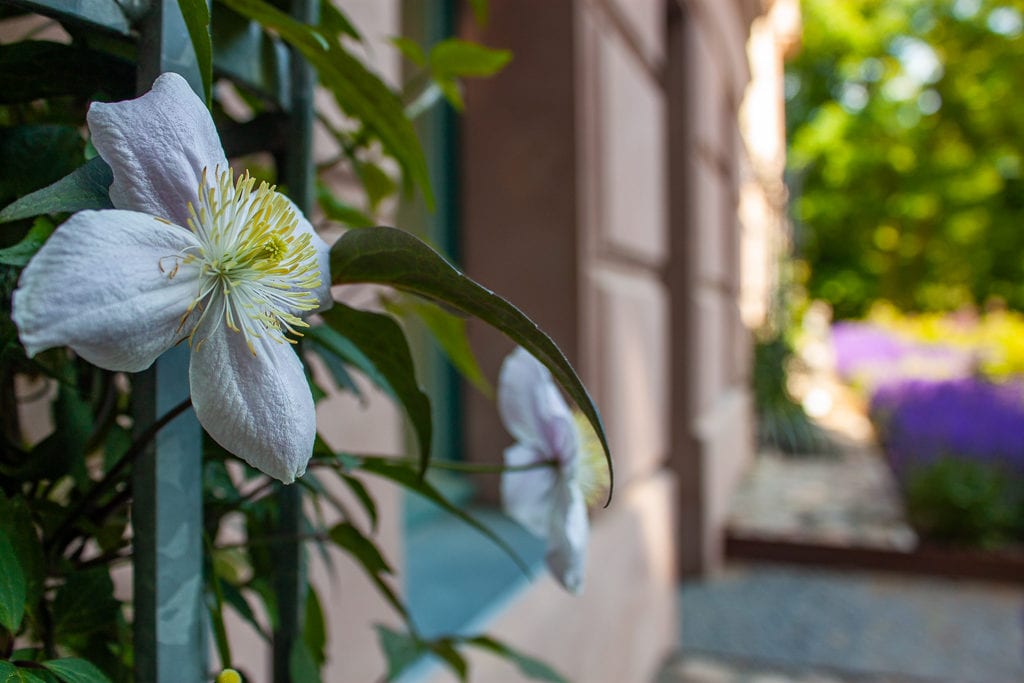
[[548, 501], [189, 253]]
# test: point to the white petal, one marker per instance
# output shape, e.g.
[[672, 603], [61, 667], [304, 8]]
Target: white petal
[[97, 286], [157, 146], [531, 408], [526, 495], [567, 538], [257, 407]]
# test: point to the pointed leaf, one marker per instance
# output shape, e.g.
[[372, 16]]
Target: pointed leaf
[[340, 211], [389, 256], [360, 93], [450, 333], [380, 339], [301, 665], [366, 554], [314, 631], [461, 58], [72, 670], [528, 666], [87, 187], [410, 479], [9, 673], [364, 498], [21, 253], [400, 649], [12, 586], [197, 20], [444, 648]]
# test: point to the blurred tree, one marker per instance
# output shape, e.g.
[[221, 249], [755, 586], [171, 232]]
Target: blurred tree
[[906, 122]]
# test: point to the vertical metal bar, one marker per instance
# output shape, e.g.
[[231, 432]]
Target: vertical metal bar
[[299, 176], [167, 510]]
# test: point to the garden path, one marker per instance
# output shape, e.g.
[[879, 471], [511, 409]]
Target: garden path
[[758, 624]]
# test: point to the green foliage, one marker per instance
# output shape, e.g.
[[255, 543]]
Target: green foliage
[[906, 156], [391, 257], [966, 502], [65, 497]]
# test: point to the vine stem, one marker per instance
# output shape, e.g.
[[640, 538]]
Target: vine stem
[[110, 478], [467, 467]]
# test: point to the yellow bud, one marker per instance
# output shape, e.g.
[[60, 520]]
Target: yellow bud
[[229, 676]]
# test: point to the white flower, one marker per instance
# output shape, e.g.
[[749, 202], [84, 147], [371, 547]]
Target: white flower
[[190, 253], [547, 500]]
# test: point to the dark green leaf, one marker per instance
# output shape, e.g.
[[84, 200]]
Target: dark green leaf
[[72, 670], [334, 363], [460, 58], [16, 522], [12, 586], [381, 340], [340, 211], [450, 332], [34, 156], [530, 667], [360, 93], [410, 479], [36, 69], [20, 254], [449, 87], [369, 558], [364, 498], [393, 257], [9, 673], [85, 603], [445, 650], [301, 665], [86, 187], [315, 630], [400, 649], [333, 22], [197, 20]]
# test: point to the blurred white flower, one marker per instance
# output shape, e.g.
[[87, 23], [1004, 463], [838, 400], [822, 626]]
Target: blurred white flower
[[189, 253], [547, 500]]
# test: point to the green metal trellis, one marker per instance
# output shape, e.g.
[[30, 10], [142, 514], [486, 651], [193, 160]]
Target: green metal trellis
[[170, 643]]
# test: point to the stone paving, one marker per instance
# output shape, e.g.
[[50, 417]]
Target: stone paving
[[775, 625]]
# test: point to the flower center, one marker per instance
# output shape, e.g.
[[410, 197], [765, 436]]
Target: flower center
[[257, 270], [592, 468]]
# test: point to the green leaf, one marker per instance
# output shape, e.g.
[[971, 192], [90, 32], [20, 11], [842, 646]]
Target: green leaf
[[444, 648], [333, 22], [378, 184], [360, 93], [86, 187], [460, 58], [410, 479], [314, 631], [85, 603], [73, 670], [528, 666], [12, 586], [301, 665], [340, 211], [33, 156], [411, 50], [9, 673], [16, 523], [450, 332], [37, 69], [389, 256], [364, 498], [451, 90], [369, 558], [20, 254], [197, 20], [381, 340], [400, 649]]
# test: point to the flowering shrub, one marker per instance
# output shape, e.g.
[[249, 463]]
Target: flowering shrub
[[946, 397]]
